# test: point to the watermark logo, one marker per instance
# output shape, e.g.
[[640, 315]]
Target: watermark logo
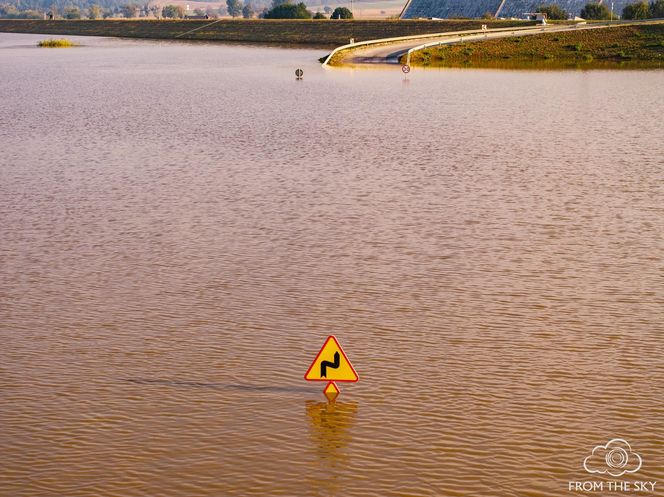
[[610, 461], [615, 458]]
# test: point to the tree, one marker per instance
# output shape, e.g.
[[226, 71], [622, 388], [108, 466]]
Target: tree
[[636, 10], [155, 10], [288, 11], [8, 12], [553, 12], [11, 12], [657, 9], [341, 13], [94, 12], [173, 11], [234, 7], [129, 10], [72, 13], [595, 11], [319, 15], [32, 14], [248, 10]]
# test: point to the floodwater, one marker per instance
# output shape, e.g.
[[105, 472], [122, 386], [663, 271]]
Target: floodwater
[[182, 226]]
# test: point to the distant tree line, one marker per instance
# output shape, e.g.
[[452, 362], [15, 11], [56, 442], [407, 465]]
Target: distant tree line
[[58, 6], [286, 9], [103, 9], [278, 9], [12, 12], [553, 12], [644, 10], [637, 10], [596, 11]]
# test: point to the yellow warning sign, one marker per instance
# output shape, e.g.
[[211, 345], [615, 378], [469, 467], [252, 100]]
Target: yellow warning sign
[[331, 388], [331, 364], [331, 391]]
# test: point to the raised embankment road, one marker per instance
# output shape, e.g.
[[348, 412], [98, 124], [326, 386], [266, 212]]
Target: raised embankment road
[[388, 50], [310, 32], [393, 51]]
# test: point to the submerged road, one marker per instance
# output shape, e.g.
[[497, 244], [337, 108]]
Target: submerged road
[[389, 52]]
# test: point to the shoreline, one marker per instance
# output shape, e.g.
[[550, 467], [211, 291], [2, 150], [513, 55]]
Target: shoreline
[[324, 33]]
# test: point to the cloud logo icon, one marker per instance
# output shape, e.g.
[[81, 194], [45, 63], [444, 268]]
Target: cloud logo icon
[[615, 458]]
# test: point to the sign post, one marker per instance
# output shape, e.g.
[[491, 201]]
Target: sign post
[[331, 365]]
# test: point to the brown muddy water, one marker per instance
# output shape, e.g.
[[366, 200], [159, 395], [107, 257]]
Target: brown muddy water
[[182, 225]]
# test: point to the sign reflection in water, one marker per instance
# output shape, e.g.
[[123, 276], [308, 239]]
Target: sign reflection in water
[[331, 431]]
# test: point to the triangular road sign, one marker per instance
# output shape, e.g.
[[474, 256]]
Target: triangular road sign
[[331, 364]]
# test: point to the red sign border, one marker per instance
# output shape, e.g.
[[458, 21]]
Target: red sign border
[[357, 376]]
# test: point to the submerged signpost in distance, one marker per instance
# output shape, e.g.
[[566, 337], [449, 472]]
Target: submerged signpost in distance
[[331, 365]]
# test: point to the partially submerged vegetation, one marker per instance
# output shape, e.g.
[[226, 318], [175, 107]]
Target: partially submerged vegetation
[[641, 45], [53, 43]]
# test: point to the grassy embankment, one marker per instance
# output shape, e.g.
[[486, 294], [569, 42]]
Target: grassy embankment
[[319, 32], [624, 46], [52, 43]]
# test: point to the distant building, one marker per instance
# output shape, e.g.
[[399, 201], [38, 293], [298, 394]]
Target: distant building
[[445, 9]]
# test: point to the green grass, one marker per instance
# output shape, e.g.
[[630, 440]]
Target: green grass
[[639, 45], [52, 43]]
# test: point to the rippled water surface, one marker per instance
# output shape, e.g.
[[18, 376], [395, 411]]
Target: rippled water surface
[[182, 225]]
